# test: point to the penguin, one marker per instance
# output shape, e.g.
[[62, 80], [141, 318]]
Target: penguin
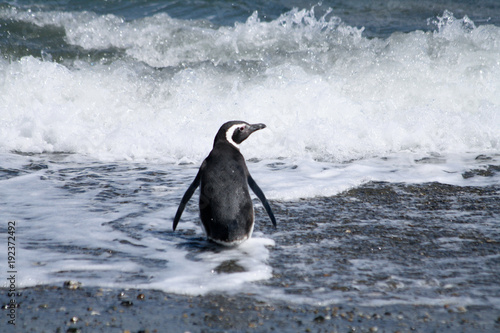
[[226, 209]]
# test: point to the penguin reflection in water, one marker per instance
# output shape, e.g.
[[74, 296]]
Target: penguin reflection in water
[[226, 208]]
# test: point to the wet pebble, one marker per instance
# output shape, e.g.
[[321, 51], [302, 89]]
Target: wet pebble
[[126, 303], [319, 319], [72, 285], [73, 330]]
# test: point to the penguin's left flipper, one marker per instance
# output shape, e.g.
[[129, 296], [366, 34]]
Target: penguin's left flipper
[[189, 193], [258, 192]]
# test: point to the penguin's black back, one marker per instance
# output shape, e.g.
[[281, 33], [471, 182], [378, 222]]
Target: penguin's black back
[[226, 208]]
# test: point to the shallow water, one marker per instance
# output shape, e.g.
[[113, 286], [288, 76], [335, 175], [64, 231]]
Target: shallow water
[[109, 225], [381, 156]]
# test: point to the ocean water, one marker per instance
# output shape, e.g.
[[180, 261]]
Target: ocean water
[[108, 108]]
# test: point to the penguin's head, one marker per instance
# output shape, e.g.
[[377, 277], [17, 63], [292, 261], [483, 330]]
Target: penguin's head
[[235, 132]]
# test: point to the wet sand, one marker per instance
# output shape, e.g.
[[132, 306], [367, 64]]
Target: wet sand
[[59, 309]]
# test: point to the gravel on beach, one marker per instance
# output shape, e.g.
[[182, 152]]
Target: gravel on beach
[[62, 309]]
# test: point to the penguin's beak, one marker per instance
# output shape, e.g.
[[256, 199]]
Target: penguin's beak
[[256, 127]]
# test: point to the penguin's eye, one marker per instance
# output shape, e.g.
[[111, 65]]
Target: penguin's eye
[[241, 129]]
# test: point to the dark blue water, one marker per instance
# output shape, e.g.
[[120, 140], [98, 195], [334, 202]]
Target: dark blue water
[[378, 17]]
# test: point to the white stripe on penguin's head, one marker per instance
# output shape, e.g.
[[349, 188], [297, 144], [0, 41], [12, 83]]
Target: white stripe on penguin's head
[[230, 132]]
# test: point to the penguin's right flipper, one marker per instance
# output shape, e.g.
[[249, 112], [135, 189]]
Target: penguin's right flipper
[[189, 193], [256, 189]]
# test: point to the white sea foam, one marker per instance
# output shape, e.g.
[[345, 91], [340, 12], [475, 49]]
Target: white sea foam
[[323, 89], [76, 235]]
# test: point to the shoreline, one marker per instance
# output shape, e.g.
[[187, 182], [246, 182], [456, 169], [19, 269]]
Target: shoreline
[[92, 309], [409, 233]]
